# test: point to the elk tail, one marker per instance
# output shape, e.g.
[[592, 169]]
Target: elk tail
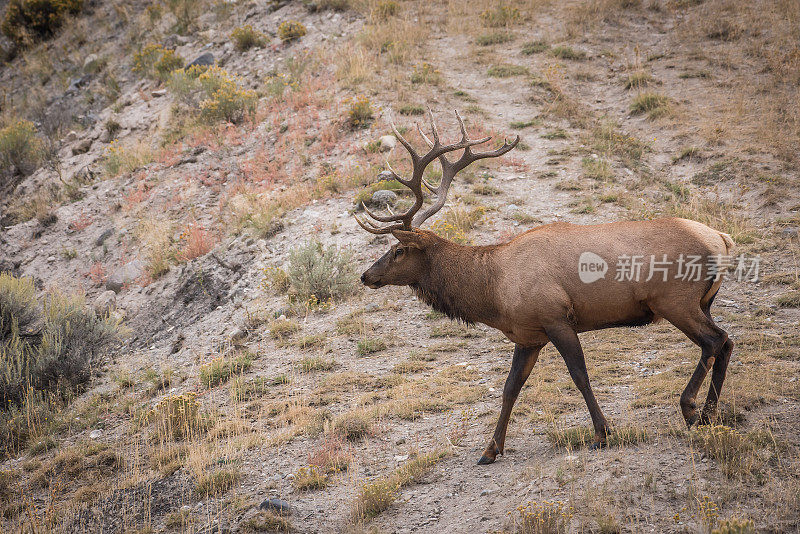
[[708, 298]]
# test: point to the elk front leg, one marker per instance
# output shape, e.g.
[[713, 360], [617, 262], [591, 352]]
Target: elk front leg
[[524, 360], [566, 341]]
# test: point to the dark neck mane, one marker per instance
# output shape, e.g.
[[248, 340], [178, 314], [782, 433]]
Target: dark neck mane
[[458, 282]]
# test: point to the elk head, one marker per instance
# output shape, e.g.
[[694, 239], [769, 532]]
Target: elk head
[[406, 262]]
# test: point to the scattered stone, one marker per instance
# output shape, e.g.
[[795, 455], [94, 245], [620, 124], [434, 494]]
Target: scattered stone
[[82, 147], [401, 458], [387, 143], [74, 85], [204, 60], [790, 232], [72, 136], [238, 335], [158, 93], [277, 505], [51, 259], [126, 274], [385, 175], [90, 62], [108, 232], [105, 302], [177, 345], [485, 492], [95, 434], [384, 197]]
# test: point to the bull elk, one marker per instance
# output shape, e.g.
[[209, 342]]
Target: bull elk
[[531, 289]]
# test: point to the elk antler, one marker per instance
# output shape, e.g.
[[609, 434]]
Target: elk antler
[[410, 218]]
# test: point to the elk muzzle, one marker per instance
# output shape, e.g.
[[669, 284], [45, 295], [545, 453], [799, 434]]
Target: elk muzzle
[[370, 279]]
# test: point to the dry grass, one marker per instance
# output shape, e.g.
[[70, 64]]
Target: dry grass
[[653, 104], [376, 496], [739, 455], [578, 437], [217, 482]]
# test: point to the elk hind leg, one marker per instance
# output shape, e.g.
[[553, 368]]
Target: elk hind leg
[[715, 349]]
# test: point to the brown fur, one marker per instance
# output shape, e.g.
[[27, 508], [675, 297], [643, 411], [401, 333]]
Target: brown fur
[[529, 289]]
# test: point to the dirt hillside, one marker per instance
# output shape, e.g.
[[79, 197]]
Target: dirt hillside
[[255, 385]]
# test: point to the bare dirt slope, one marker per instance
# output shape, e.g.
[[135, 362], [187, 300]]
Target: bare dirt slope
[[625, 109]]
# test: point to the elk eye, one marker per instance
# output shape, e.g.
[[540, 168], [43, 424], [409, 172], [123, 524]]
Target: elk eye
[[398, 252]]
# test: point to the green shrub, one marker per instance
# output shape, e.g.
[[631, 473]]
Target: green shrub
[[59, 356], [245, 38], [567, 52], [324, 273], [370, 345], [494, 38], [47, 351], [20, 149], [217, 94], [410, 109], [534, 47], [220, 369], [291, 30], [500, 15], [26, 21], [225, 99], [654, 104], [360, 113], [506, 70], [157, 62]]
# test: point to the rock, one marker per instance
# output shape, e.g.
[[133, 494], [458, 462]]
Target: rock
[[95, 434], [106, 136], [485, 492], [387, 143], [384, 197], [204, 60], [238, 335], [90, 63], [82, 147], [74, 85], [124, 275], [105, 302], [385, 175], [72, 136], [158, 93], [790, 232], [108, 232], [277, 505]]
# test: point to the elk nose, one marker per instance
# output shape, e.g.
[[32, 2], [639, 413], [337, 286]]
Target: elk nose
[[363, 278]]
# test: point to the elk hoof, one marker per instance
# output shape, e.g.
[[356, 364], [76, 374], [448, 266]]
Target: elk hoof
[[705, 419], [489, 454], [691, 420], [597, 445]]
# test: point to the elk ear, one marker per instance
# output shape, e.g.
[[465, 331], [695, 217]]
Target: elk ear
[[411, 238]]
